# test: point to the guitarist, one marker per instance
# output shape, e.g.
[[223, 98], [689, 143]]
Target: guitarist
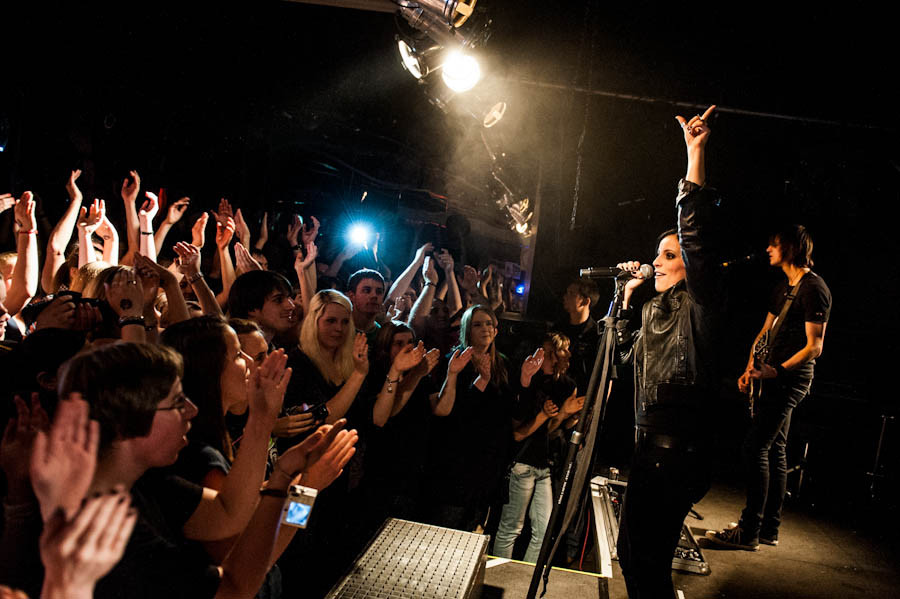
[[782, 360]]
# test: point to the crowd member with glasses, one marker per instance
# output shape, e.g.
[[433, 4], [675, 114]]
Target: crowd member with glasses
[[469, 446], [135, 393]]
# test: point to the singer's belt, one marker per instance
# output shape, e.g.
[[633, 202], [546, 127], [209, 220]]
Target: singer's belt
[[653, 439]]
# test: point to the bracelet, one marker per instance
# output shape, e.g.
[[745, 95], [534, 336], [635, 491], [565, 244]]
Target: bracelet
[[280, 493], [29, 232], [127, 320], [391, 383], [297, 247], [195, 278], [427, 283], [780, 370], [146, 232]]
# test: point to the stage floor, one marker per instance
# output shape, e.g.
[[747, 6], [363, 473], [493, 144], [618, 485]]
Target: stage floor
[[819, 556]]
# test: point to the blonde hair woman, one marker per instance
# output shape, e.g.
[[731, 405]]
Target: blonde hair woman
[[331, 362]]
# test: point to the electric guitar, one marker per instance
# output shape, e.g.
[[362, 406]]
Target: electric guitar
[[760, 355]]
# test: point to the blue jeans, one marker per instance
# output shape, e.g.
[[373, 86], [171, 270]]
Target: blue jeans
[[527, 484]]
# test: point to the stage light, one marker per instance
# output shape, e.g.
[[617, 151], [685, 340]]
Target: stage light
[[461, 72], [520, 289], [453, 12], [360, 234], [419, 63]]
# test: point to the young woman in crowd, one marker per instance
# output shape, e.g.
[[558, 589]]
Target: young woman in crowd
[[134, 392], [395, 459], [546, 400], [469, 447]]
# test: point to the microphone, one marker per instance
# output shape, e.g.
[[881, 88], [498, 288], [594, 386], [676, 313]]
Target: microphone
[[612, 272], [740, 260]]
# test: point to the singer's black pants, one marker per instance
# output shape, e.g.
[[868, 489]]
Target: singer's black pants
[[662, 486]]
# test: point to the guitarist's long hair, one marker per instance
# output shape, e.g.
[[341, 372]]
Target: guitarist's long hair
[[796, 245]]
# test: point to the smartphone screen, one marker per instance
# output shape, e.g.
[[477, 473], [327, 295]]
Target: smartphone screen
[[297, 513]]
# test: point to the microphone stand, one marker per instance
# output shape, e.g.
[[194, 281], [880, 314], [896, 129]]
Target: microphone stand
[[575, 473]]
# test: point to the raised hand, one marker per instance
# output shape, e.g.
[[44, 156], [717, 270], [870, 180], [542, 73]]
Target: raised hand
[[428, 271], [429, 361], [531, 365], [72, 187], [294, 229], [573, 405], [124, 295], [241, 228], [149, 208], [459, 360], [224, 232], [409, 357], [482, 363], [105, 229], [302, 262], [177, 210], [91, 217], [7, 201], [77, 554], [131, 186], [445, 260], [550, 409], [263, 230], [361, 354], [423, 251], [696, 130], [18, 441], [198, 231], [24, 212], [293, 424], [308, 234], [225, 211], [64, 313], [63, 461], [188, 258], [268, 383], [245, 262], [327, 460]]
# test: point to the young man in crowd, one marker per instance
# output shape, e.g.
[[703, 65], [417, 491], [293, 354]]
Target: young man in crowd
[[264, 297], [580, 327], [365, 288]]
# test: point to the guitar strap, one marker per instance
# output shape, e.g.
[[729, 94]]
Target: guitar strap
[[776, 326]]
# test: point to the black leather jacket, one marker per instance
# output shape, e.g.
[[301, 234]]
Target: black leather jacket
[[673, 353]]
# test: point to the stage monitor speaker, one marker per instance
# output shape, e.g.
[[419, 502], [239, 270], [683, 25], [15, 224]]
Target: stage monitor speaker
[[416, 561]]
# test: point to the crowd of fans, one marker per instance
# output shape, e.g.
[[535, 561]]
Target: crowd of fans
[[164, 394]]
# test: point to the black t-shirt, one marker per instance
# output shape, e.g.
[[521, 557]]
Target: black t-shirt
[[584, 339], [530, 403], [159, 561], [812, 304], [469, 447]]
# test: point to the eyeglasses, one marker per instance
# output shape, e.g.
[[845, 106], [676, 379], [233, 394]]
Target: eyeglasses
[[182, 405]]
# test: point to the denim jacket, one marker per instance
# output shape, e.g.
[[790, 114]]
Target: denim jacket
[[673, 351]]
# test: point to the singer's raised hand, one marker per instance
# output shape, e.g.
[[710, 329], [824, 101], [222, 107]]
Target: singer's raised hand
[[634, 267]]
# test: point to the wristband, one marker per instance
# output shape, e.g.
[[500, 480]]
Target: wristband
[[28, 232], [195, 278], [278, 468], [427, 283], [146, 232], [779, 369], [297, 247], [127, 320], [280, 493]]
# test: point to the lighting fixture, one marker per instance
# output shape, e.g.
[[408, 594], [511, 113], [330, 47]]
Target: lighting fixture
[[460, 72]]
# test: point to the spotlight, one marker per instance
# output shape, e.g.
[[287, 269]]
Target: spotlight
[[460, 72], [520, 289], [360, 234], [419, 63], [453, 12]]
